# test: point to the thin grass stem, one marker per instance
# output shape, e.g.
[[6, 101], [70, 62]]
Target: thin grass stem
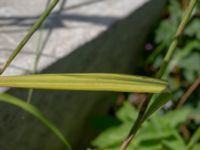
[[36, 61], [187, 94], [179, 32], [27, 37], [161, 74]]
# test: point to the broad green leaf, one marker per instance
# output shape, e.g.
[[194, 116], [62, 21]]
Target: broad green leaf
[[193, 28], [194, 139], [112, 137], [169, 26], [196, 147], [127, 113], [191, 64], [152, 132], [173, 145], [183, 54], [159, 101], [176, 142], [36, 113], [90, 81], [158, 133], [176, 117]]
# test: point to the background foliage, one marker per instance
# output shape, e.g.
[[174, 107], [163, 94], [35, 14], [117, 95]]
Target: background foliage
[[169, 129]]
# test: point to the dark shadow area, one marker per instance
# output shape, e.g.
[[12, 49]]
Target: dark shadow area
[[56, 21]]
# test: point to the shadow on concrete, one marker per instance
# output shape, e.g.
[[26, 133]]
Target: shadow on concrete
[[55, 20], [27, 53]]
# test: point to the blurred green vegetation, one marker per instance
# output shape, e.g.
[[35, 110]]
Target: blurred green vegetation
[[184, 68], [170, 128], [161, 132]]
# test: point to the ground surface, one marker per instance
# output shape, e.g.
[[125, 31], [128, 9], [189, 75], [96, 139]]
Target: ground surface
[[72, 23]]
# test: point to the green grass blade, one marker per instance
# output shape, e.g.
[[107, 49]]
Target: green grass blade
[[159, 101], [194, 139], [174, 42], [36, 113], [27, 37], [89, 82]]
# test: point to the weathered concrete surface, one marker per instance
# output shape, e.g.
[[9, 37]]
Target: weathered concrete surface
[[72, 23], [116, 50]]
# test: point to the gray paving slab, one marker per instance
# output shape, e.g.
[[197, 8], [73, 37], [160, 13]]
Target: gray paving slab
[[71, 24]]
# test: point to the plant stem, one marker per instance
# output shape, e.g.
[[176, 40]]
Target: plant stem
[[185, 96], [31, 109], [37, 57], [140, 119], [38, 54], [33, 29], [174, 42], [137, 124]]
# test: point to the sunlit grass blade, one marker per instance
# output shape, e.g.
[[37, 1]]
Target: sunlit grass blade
[[27, 37], [88, 82], [36, 113]]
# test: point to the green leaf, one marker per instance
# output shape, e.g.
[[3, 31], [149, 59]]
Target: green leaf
[[194, 139], [191, 69], [127, 113], [176, 117], [90, 81], [173, 145], [36, 113], [193, 29], [154, 132], [196, 147], [112, 137], [159, 101], [168, 27], [183, 53], [160, 132], [169, 30], [175, 142]]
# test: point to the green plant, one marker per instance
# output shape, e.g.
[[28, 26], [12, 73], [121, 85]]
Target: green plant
[[160, 132], [36, 113], [111, 82], [110, 139], [105, 82], [145, 108]]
